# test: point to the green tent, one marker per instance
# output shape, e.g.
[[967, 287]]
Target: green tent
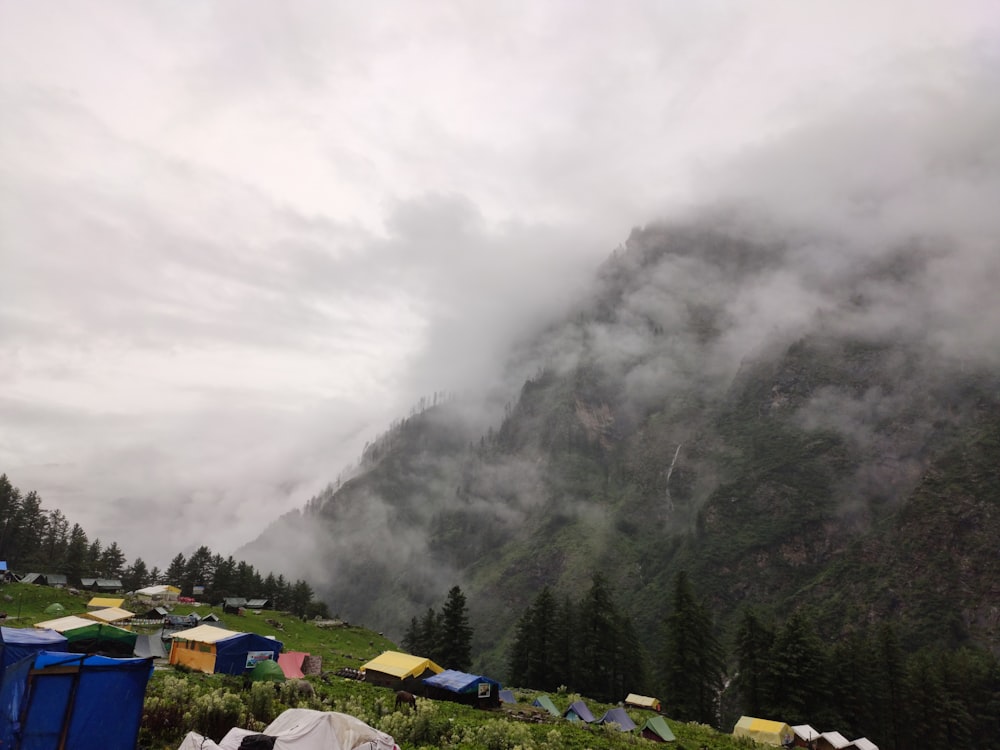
[[544, 701], [656, 729], [265, 670], [103, 639], [54, 609]]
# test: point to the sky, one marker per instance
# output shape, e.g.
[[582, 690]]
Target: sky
[[237, 239]]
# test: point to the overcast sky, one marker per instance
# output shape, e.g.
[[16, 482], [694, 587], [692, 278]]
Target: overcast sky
[[238, 238]]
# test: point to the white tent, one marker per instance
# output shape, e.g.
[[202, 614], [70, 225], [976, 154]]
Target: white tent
[[304, 729]]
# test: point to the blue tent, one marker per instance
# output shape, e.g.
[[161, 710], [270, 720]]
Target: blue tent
[[231, 654], [578, 711], [462, 687], [619, 717], [17, 643], [507, 696], [52, 700]]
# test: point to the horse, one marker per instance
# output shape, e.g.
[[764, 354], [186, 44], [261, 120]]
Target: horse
[[407, 698]]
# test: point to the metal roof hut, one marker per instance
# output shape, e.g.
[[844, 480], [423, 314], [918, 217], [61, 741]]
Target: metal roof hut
[[396, 670], [233, 604], [461, 687]]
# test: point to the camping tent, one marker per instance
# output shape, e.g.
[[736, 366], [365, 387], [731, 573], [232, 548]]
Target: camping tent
[[642, 701], [62, 624], [656, 729], [55, 609], [216, 650], [267, 670], [544, 701], [578, 711], [507, 696], [460, 687], [87, 636], [159, 593], [804, 734], [17, 643], [75, 701], [110, 615], [291, 663], [619, 717], [103, 602], [762, 730], [391, 668], [305, 729], [150, 646]]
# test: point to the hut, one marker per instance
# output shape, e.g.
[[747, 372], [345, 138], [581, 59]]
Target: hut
[[767, 732], [461, 687], [396, 670], [805, 735]]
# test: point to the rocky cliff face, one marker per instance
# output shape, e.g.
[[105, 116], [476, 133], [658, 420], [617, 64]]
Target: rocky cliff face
[[786, 427]]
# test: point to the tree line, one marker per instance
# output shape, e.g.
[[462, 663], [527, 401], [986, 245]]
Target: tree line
[[444, 637], [33, 538]]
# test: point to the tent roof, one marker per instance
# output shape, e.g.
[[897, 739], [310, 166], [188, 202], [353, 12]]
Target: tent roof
[[762, 730], [580, 709], [863, 743], [30, 577], [658, 726], [62, 624], [234, 601], [805, 732], [643, 701], [160, 590], [401, 665], [111, 614], [205, 634], [619, 717], [836, 739], [291, 663], [458, 682], [55, 578], [150, 646], [105, 601], [544, 701], [257, 603], [31, 636]]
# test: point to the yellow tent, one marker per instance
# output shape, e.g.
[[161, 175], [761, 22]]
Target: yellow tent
[[111, 614], [392, 665], [642, 701], [100, 602], [768, 732]]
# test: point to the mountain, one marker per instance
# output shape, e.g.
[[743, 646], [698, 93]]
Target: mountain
[[797, 420]]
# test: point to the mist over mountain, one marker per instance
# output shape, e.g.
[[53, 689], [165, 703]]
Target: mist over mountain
[[789, 390]]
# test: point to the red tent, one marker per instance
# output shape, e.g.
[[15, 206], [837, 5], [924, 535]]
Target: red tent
[[291, 663]]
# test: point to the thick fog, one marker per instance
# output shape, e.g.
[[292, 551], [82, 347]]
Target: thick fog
[[238, 239]]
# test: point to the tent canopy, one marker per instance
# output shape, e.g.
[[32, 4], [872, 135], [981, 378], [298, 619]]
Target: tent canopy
[[205, 634], [620, 717], [658, 727], [103, 602], [161, 590], [401, 665], [73, 696], [110, 614], [544, 701], [642, 701], [19, 643], [63, 624], [578, 710], [763, 730], [460, 682]]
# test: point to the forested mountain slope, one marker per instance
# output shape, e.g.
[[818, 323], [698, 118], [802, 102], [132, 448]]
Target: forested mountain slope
[[797, 421]]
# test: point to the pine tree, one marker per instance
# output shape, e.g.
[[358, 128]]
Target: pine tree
[[76, 553], [455, 633], [753, 662], [692, 665], [411, 638], [175, 571], [112, 561], [800, 663]]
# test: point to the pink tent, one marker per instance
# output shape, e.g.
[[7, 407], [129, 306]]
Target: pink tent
[[291, 663]]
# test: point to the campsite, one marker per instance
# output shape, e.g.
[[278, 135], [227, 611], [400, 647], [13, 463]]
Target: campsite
[[180, 699]]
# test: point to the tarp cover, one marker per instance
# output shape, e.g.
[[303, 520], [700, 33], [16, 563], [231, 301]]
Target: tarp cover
[[619, 717], [460, 682], [304, 729], [401, 665], [291, 663], [90, 702], [656, 728], [507, 696], [579, 710], [544, 701], [18, 643]]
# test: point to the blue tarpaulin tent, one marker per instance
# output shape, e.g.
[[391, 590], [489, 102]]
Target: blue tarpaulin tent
[[17, 643], [462, 687], [53, 700], [507, 696], [578, 711], [619, 717]]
